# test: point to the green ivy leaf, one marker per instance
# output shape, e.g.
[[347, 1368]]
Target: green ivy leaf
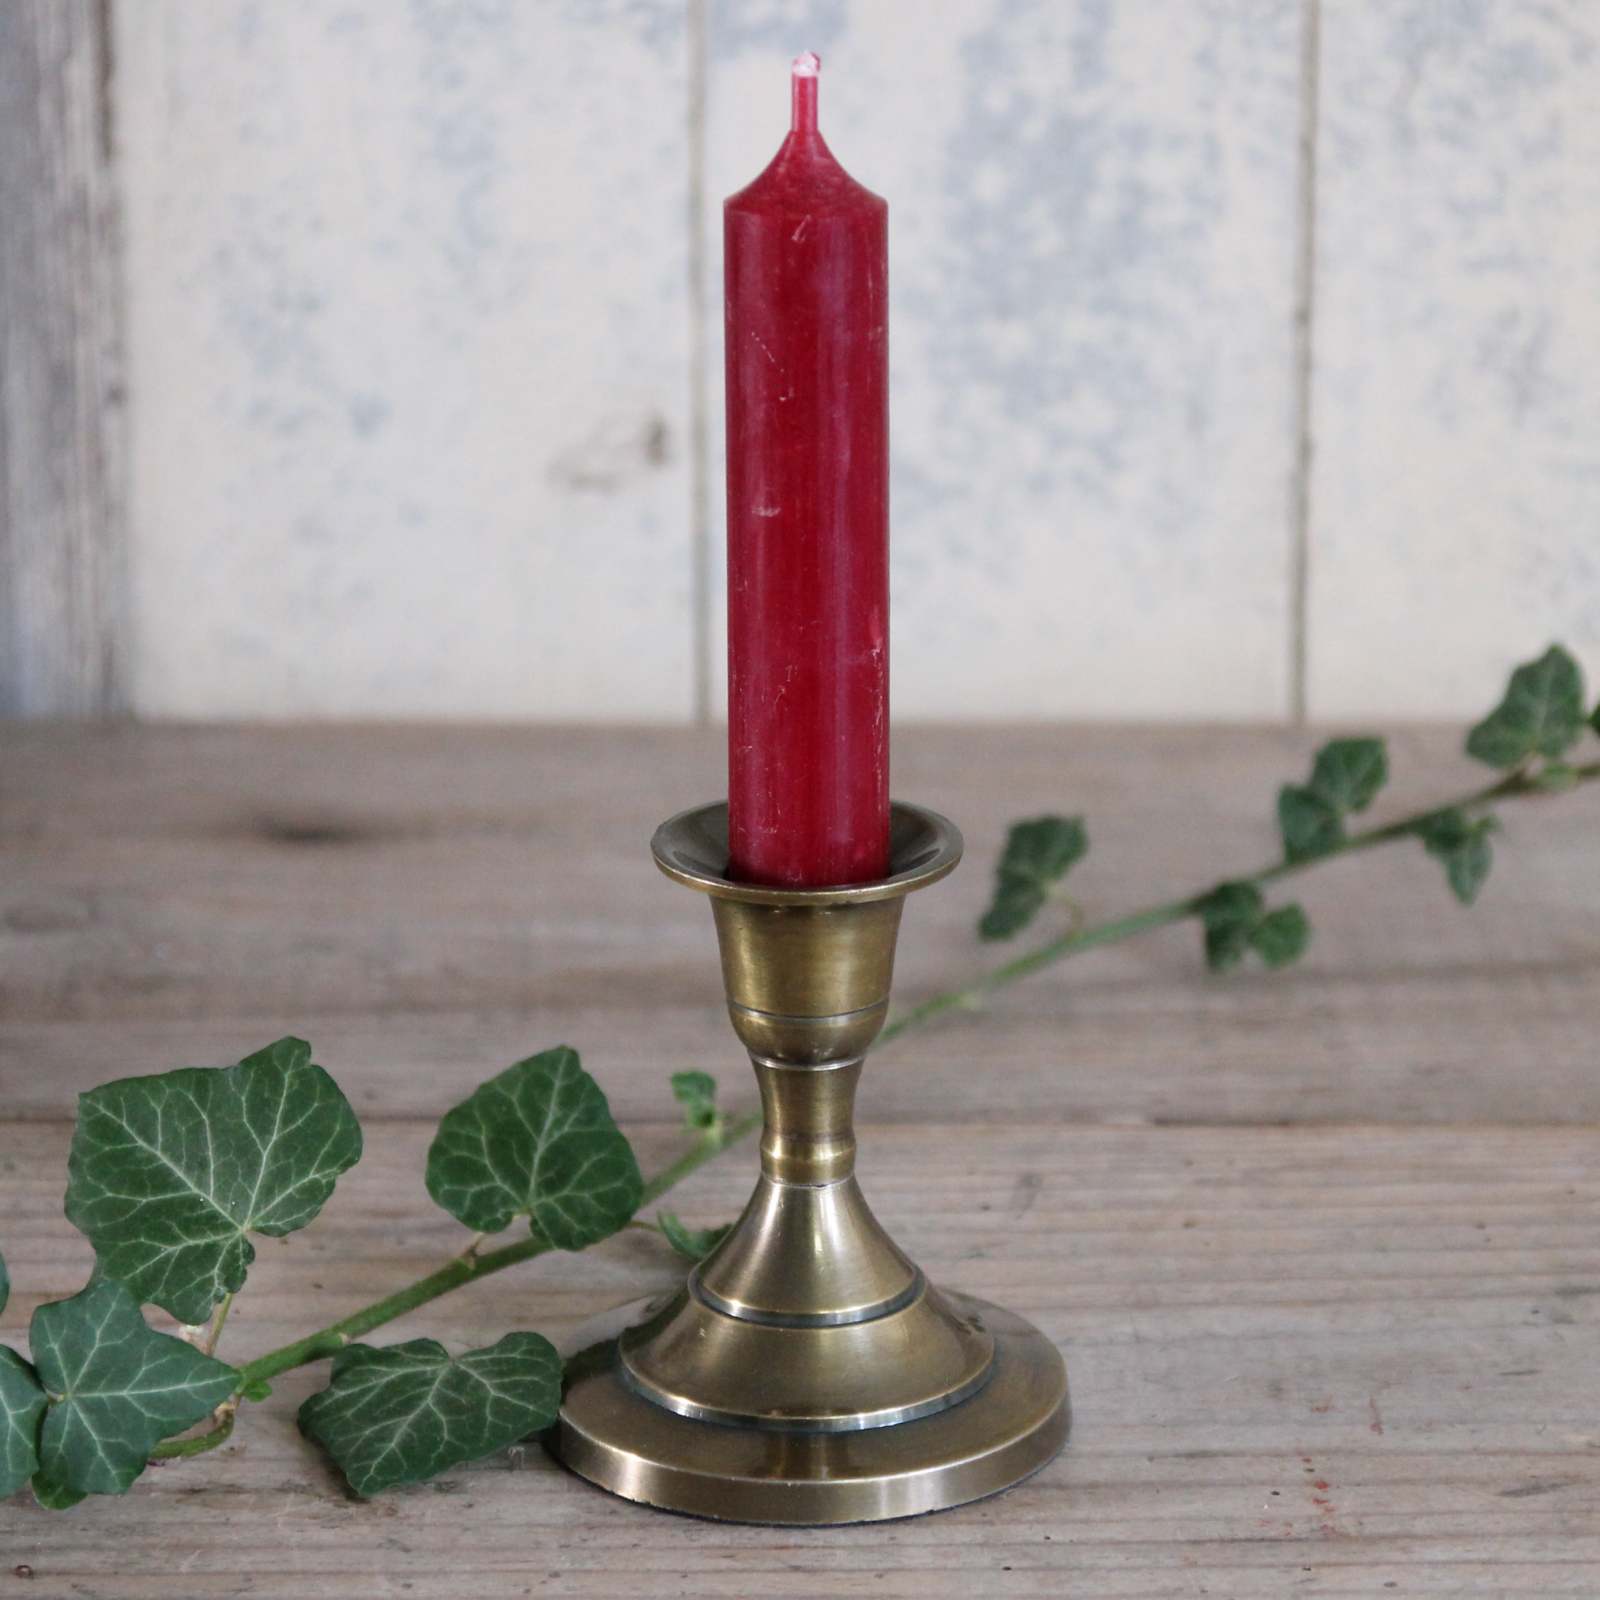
[[1280, 938], [1348, 773], [256, 1389], [1467, 869], [1236, 921], [696, 1092], [55, 1496], [22, 1404], [1462, 844], [169, 1174], [537, 1142], [1309, 825], [1229, 915], [1594, 717], [1037, 855], [1541, 714], [693, 1244], [407, 1411], [1443, 830], [115, 1388]]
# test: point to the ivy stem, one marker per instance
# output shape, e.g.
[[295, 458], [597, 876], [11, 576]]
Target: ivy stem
[[468, 1268], [472, 1263], [713, 1141], [725, 1132], [218, 1317], [1076, 940], [198, 1444]]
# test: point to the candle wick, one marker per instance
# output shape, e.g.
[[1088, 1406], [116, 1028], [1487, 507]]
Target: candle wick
[[803, 116]]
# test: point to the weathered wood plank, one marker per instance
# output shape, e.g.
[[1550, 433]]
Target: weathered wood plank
[[407, 330], [1316, 1361], [1092, 333], [61, 545], [1456, 419], [429, 904]]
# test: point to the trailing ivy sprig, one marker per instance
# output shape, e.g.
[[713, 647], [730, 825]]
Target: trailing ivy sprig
[[1528, 736], [171, 1174]]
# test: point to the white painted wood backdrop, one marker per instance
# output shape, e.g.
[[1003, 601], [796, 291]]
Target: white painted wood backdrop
[[1245, 353]]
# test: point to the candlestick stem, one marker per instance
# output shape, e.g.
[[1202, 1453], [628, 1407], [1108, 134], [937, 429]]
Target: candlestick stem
[[808, 1372]]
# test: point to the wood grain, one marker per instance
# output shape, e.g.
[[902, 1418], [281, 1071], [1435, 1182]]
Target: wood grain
[[1093, 217], [428, 905], [408, 319], [419, 407], [61, 533], [1305, 1361], [1456, 420], [1349, 1356]]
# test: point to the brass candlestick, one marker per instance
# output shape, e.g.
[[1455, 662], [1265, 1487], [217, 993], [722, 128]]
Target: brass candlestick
[[808, 1372]]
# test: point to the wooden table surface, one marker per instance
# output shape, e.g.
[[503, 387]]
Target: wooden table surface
[[1322, 1248]]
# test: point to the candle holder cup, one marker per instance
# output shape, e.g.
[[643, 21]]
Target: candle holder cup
[[807, 1372]]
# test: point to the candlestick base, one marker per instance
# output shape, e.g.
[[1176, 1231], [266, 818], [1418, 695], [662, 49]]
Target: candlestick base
[[808, 1373], [612, 1435]]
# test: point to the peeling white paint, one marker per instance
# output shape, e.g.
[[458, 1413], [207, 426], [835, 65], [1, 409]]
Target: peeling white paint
[[1456, 410], [411, 364], [408, 322]]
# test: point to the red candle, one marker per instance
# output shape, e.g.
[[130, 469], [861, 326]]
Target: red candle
[[808, 516]]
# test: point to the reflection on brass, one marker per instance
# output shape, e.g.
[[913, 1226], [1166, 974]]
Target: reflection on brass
[[807, 1372]]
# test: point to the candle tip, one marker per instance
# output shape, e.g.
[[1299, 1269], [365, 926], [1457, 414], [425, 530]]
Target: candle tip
[[803, 95]]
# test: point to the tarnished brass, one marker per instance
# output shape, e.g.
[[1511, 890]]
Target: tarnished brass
[[807, 1372]]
